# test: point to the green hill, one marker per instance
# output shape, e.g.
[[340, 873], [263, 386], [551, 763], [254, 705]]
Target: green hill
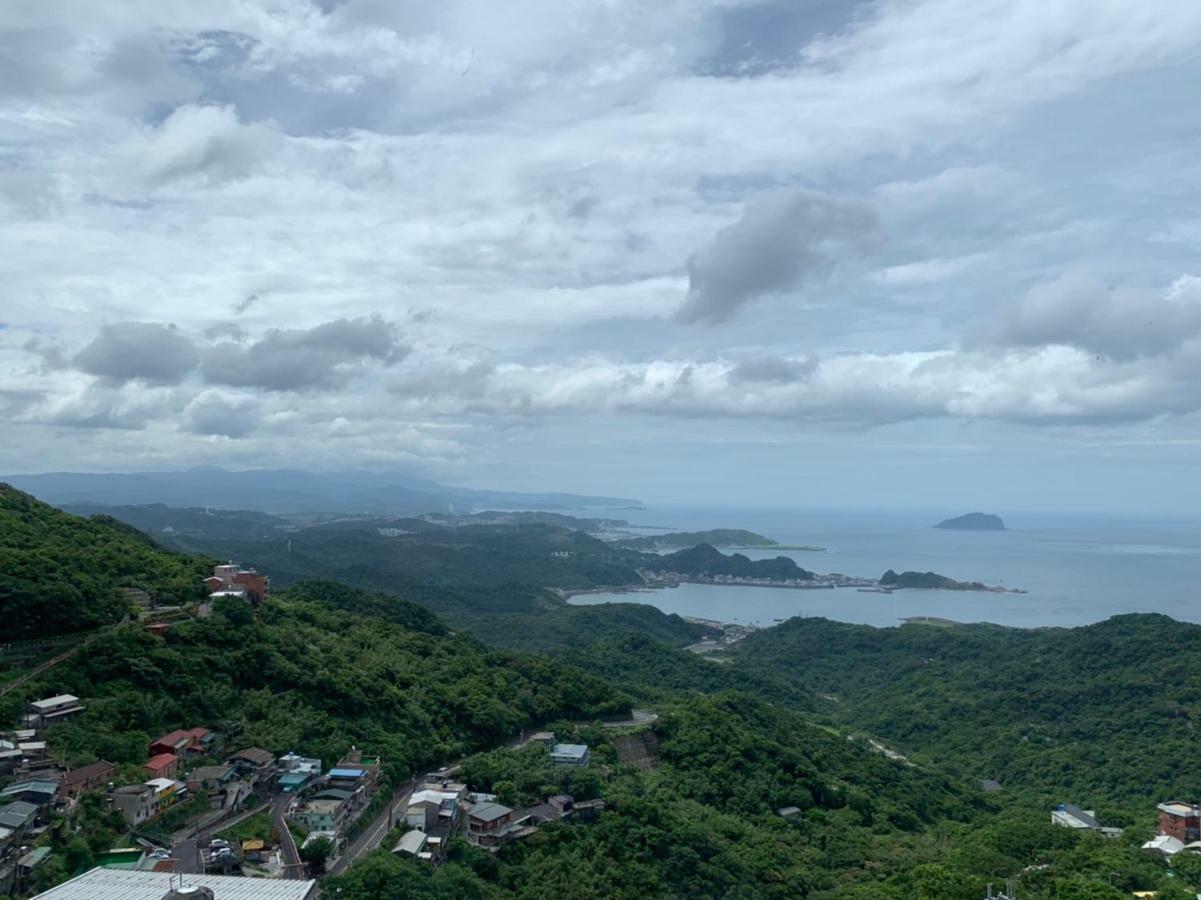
[[707, 560], [718, 537], [61, 574]]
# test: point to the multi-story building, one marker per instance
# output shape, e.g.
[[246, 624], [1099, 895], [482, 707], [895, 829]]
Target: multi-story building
[[1180, 820], [231, 580]]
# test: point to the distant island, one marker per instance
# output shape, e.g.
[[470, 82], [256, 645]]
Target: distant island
[[976, 521], [935, 582], [716, 537]]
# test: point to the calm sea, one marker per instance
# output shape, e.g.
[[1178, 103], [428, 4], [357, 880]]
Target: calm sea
[[1077, 569]]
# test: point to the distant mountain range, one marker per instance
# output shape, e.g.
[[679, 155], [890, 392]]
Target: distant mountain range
[[292, 491]]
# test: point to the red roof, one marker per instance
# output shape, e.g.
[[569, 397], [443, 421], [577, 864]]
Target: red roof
[[161, 762], [198, 734], [177, 738]]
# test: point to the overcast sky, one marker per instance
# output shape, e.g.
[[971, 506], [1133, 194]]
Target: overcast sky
[[924, 253]]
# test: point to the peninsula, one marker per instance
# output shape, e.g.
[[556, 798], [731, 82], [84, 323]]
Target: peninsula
[[976, 521]]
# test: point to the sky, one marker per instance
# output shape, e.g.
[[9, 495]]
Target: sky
[[922, 253]]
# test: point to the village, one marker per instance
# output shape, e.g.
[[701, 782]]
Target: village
[[321, 818]]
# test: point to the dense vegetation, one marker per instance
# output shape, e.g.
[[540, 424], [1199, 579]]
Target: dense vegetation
[[169, 523], [707, 560], [61, 574], [493, 580], [928, 581], [1103, 715], [796, 716], [718, 537]]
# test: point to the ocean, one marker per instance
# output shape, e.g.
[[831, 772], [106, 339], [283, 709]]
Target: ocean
[[1076, 569]]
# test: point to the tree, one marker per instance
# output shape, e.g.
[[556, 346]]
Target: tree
[[316, 852]]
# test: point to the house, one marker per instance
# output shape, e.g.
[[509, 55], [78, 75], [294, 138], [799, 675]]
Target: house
[[569, 754], [411, 843], [1070, 816], [130, 884], [487, 823], [32, 751], [435, 808], [164, 765], [231, 580], [327, 811], [369, 768], [545, 738], [181, 741], [53, 709], [135, 802], [167, 792], [1180, 820], [1165, 844], [253, 761], [16, 819], [294, 773], [87, 778], [38, 791], [587, 810], [210, 778]]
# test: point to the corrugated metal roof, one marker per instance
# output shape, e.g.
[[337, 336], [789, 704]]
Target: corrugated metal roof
[[346, 773], [115, 884]]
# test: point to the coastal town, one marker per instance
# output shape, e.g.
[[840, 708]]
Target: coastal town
[[202, 806]]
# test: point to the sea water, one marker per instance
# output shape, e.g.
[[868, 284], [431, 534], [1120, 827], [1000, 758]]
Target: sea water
[[1075, 569]]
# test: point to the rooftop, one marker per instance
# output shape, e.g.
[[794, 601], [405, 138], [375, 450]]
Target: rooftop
[[489, 812], [1179, 808], [117, 884], [161, 761], [86, 773], [346, 773], [40, 785], [16, 814], [52, 702]]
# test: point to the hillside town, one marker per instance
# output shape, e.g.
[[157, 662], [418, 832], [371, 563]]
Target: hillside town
[[197, 790]]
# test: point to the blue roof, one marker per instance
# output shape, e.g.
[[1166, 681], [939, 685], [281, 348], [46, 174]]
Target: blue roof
[[346, 773]]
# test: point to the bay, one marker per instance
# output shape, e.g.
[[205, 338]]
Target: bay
[[1077, 569]]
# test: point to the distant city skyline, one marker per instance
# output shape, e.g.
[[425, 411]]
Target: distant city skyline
[[928, 254]]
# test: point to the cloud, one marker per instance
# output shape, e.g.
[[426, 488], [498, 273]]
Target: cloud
[[217, 413], [322, 357], [203, 141], [781, 241], [772, 369], [138, 350], [1078, 310]]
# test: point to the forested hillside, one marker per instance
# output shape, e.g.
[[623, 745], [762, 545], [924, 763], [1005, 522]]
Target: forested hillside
[[490, 579], [1104, 714], [61, 574]]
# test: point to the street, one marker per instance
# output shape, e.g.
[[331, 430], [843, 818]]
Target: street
[[289, 855]]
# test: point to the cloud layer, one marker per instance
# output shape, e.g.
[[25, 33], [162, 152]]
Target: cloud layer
[[368, 233]]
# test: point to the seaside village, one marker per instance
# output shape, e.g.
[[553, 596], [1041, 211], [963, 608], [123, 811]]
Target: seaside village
[[346, 804]]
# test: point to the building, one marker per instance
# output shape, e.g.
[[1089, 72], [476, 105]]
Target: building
[[135, 802], [167, 792], [253, 761], [210, 778], [1165, 844], [569, 754], [87, 778], [1070, 816], [53, 709], [38, 791], [16, 819], [326, 811], [294, 773], [181, 741], [126, 884], [165, 765], [487, 823], [434, 808], [369, 768], [231, 580], [1180, 820], [413, 843]]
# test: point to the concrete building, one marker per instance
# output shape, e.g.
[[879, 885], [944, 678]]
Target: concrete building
[[1180, 820], [569, 754], [52, 709], [127, 884], [231, 580], [253, 761], [135, 802]]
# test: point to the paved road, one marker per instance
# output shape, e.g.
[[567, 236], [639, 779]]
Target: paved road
[[374, 833], [289, 855]]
